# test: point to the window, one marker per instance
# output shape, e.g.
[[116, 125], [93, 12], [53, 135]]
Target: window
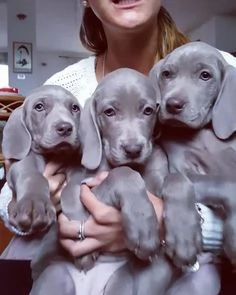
[[4, 79]]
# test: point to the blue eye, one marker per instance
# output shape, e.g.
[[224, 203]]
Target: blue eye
[[148, 111], [75, 108], [205, 76], [39, 107], [166, 74], [110, 112]]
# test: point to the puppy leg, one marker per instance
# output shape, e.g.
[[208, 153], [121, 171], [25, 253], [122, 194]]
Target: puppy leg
[[125, 189], [55, 279], [181, 220]]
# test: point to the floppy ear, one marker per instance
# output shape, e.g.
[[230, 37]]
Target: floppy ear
[[16, 140], [224, 110], [154, 77], [90, 137]]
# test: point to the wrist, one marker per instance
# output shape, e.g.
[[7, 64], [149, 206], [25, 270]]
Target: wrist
[[212, 228]]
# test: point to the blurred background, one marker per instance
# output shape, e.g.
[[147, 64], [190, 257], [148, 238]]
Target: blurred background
[[51, 26]]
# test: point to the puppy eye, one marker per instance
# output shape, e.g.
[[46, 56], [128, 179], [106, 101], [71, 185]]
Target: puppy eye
[[148, 111], [109, 112], [205, 76], [75, 108], [39, 107], [166, 74]]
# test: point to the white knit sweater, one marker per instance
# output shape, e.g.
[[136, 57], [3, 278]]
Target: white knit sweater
[[80, 79]]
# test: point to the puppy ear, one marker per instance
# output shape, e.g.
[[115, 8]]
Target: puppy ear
[[16, 140], [223, 114], [154, 77], [90, 137]]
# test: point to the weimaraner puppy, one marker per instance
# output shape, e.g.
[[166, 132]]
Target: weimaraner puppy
[[44, 128], [116, 133], [197, 90]]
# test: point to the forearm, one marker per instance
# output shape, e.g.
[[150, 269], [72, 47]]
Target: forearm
[[212, 229], [211, 224]]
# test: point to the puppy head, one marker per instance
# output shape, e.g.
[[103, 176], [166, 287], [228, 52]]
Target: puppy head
[[47, 121], [189, 80], [124, 110]]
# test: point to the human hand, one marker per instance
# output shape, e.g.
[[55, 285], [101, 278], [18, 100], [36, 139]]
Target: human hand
[[56, 179], [103, 229]]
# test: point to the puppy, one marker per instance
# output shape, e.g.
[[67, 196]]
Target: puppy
[[44, 128], [197, 87]]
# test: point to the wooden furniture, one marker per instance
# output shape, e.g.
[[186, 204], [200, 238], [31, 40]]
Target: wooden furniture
[[7, 104]]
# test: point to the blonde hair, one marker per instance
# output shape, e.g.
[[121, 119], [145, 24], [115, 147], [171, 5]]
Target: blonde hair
[[94, 39]]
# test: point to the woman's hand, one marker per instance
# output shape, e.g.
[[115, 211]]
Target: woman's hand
[[56, 180], [103, 229]]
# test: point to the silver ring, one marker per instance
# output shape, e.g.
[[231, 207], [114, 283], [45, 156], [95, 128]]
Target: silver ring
[[81, 235], [192, 268]]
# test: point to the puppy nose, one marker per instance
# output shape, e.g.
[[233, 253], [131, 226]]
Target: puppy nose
[[174, 105], [133, 150], [64, 129]]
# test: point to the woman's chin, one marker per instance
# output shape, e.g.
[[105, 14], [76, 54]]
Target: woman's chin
[[131, 21]]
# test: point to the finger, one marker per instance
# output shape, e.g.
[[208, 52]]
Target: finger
[[79, 248], [7, 164], [56, 182], [96, 180], [102, 213], [157, 204], [68, 228], [51, 169]]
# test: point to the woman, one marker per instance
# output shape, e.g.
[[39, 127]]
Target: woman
[[132, 34]]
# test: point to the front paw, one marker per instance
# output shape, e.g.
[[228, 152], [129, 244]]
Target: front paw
[[86, 262], [182, 223], [32, 214], [142, 231]]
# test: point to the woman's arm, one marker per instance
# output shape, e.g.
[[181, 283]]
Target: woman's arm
[[104, 232]]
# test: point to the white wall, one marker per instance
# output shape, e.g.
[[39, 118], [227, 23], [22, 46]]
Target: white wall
[[205, 33], [226, 33], [22, 31], [49, 63], [219, 31], [3, 26]]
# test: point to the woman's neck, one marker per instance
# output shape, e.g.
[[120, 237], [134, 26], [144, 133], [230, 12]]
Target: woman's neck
[[133, 50]]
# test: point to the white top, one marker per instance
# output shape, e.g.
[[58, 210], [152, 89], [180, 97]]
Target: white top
[[80, 79]]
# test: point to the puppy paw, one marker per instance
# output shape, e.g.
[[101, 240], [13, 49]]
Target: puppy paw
[[86, 262], [32, 214], [182, 222], [141, 231]]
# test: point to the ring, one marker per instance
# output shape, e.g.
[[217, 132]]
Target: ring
[[81, 235], [192, 268]]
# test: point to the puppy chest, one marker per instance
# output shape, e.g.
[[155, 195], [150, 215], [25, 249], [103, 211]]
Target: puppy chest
[[198, 154]]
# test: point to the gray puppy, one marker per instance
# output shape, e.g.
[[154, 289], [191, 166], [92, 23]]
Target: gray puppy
[[197, 89], [44, 128]]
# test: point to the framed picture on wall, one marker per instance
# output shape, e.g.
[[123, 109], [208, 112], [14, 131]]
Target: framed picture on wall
[[22, 57]]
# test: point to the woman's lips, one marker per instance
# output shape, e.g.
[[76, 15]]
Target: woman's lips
[[125, 3]]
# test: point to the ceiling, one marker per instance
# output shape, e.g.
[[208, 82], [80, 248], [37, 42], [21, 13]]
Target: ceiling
[[62, 18]]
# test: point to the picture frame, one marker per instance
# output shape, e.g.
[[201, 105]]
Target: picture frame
[[22, 57]]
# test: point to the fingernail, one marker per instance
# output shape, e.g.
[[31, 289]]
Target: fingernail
[[86, 180]]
